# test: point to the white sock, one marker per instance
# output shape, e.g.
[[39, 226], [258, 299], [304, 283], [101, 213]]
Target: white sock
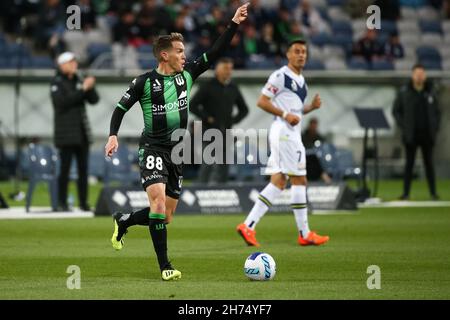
[[299, 206], [262, 204]]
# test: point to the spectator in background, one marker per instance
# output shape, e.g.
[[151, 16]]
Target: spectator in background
[[69, 92], [126, 31], [259, 15], [393, 49], [311, 137], [417, 115], [51, 26], [357, 8], [266, 44], [283, 26], [213, 21], [250, 40], [202, 44], [390, 9], [310, 19], [88, 15], [214, 104], [368, 46], [236, 52]]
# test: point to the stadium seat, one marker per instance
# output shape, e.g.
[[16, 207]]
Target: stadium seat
[[408, 26], [388, 26], [96, 49], [42, 167], [333, 51], [382, 65], [342, 27], [42, 63], [428, 13], [428, 53], [119, 168], [321, 39], [96, 164], [263, 64], [430, 26], [346, 164], [335, 64], [431, 39], [432, 64], [343, 41], [326, 153], [337, 14], [147, 64], [408, 13], [404, 64], [314, 64], [145, 49], [357, 63], [336, 2]]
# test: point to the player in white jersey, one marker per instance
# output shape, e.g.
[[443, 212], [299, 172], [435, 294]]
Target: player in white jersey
[[284, 96]]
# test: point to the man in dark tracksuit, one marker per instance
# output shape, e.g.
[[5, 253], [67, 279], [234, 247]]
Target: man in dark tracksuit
[[213, 104], [417, 114], [71, 127]]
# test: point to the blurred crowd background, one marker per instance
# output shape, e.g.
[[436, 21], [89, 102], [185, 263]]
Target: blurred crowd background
[[118, 34]]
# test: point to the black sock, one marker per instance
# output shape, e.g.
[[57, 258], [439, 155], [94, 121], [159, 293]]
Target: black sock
[[139, 217], [158, 233]]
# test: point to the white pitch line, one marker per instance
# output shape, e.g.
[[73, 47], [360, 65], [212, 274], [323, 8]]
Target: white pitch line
[[42, 213], [406, 204]]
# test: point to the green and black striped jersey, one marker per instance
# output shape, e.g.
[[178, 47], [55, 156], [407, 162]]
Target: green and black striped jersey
[[164, 101]]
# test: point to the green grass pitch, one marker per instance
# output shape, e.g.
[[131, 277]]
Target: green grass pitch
[[410, 245]]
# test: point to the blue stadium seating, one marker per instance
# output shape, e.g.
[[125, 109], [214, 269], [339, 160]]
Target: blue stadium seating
[[336, 2], [432, 64], [430, 26], [42, 63], [147, 64], [357, 63], [314, 64], [382, 65], [96, 49], [264, 64], [42, 167], [145, 49], [341, 28], [321, 39], [428, 53], [119, 168], [388, 26]]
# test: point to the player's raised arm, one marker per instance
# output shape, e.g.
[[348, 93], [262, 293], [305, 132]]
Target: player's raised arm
[[202, 63]]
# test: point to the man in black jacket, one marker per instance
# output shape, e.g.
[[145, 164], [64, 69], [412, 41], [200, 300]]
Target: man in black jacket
[[72, 135], [417, 114], [213, 104]]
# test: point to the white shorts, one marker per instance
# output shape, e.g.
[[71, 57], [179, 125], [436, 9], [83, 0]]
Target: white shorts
[[287, 153]]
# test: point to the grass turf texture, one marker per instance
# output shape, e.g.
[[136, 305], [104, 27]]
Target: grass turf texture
[[410, 246]]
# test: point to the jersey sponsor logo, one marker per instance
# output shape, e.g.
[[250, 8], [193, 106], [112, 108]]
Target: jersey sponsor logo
[[272, 88], [180, 104], [156, 86], [183, 94], [179, 80]]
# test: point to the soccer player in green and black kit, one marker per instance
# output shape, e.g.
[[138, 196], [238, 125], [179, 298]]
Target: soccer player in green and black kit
[[164, 97]]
